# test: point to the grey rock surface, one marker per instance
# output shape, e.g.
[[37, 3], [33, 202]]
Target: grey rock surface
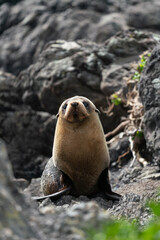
[[112, 79], [91, 59], [130, 43], [62, 67], [29, 137], [27, 26], [149, 89], [28, 133], [13, 222], [149, 18]]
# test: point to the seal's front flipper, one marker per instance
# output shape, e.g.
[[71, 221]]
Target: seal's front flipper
[[105, 186], [54, 183]]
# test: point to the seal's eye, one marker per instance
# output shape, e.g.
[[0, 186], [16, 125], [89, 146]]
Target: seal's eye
[[86, 104], [64, 106]]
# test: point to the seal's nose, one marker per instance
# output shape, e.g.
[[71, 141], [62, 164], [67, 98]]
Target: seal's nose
[[74, 104]]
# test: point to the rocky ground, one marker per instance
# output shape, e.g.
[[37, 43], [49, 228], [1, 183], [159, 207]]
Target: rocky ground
[[52, 50]]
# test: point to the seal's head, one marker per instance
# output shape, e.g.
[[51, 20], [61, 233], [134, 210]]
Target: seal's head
[[76, 109]]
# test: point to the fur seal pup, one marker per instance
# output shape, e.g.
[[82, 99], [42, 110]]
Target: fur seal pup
[[80, 158]]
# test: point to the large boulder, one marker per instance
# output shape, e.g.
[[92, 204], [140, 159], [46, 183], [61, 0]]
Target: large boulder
[[28, 133], [149, 89], [130, 43], [144, 15], [14, 215], [62, 70], [29, 136]]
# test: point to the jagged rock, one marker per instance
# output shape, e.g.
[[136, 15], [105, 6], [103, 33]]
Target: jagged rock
[[117, 148], [66, 69], [9, 1], [112, 79], [144, 15], [9, 99], [73, 68], [130, 43], [19, 218], [27, 26], [149, 89], [14, 216], [29, 135], [133, 205]]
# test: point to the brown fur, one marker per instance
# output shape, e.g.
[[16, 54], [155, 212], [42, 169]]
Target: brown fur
[[80, 149]]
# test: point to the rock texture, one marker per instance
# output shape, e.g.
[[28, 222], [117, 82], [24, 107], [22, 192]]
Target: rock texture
[[62, 67], [62, 70], [19, 220], [138, 18], [26, 27], [51, 50], [130, 43], [28, 133], [13, 222], [150, 95]]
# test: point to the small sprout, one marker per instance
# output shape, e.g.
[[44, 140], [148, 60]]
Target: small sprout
[[139, 134], [136, 76], [115, 99], [141, 66]]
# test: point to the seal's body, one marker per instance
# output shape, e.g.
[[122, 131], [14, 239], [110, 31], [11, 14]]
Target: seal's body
[[80, 157], [80, 149]]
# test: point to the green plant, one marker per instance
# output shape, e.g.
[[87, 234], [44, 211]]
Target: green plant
[[141, 65], [125, 230], [139, 134], [136, 76], [115, 99]]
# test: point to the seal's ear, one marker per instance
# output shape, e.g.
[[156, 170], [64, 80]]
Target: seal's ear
[[96, 110], [57, 115]]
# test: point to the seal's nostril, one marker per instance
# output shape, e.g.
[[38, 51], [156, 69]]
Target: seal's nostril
[[74, 104]]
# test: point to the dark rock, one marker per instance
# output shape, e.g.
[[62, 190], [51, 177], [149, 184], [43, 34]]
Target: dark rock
[[133, 206], [26, 27], [144, 15], [130, 43], [9, 1], [149, 89], [118, 148], [4, 14], [112, 79], [92, 25], [29, 135], [13, 217], [9, 99], [21, 183], [34, 187], [70, 67]]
